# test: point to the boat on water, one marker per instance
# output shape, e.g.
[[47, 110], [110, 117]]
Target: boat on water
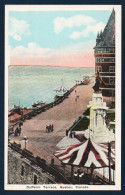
[[38, 104], [60, 91], [83, 81]]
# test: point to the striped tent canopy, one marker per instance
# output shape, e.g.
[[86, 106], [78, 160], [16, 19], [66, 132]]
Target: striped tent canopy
[[86, 154]]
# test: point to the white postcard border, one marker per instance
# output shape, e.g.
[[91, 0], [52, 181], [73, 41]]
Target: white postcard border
[[117, 9]]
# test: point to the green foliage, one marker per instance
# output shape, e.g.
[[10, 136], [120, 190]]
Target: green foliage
[[111, 115], [112, 126], [82, 125], [87, 112]]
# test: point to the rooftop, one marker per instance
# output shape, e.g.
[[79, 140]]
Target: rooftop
[[107, 37]]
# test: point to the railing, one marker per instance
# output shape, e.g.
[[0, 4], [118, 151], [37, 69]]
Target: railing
[[101, 180], [76, 122], [36, 111]]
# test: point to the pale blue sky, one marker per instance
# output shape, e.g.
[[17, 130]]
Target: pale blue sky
[[49, 37], [42, 27]]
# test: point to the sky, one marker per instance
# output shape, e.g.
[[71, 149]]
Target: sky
[[54, 38]]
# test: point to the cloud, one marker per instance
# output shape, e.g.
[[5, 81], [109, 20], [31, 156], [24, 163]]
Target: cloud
[[77, 48], [89, 29], [35, 50], [76, 21], [76, 55], [32, 50], [17, 28], [17, 37]]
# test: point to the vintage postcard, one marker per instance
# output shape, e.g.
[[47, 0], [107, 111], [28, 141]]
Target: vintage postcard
[[62, 97]]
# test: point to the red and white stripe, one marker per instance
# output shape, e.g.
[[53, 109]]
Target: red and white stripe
[[86, 154]]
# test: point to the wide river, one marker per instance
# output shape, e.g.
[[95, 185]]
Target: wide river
[[29, 84]]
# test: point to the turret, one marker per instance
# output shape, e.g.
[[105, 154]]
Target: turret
[[98, 38]]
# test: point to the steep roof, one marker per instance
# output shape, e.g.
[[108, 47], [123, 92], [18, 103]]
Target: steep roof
[[107, 37]]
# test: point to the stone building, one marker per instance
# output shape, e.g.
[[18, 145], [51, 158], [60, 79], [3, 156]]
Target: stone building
[[24, 168], [21, 171], [104, 52]]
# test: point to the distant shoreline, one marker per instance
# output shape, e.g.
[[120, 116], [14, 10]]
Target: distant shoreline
[[51, 66]]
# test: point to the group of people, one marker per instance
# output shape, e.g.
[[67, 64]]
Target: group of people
[[49, 128], [17, 131]]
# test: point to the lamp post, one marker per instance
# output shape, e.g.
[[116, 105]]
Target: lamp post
[[25, 139]]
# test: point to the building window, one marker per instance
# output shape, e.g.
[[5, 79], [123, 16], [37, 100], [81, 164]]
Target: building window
[[99, 59], [110, 50], [22, 170], [112, 69], [99, 69], [35, 179], [112, 59], [112, 93], [112, 80]]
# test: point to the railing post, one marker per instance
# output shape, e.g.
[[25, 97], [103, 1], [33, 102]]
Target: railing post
[[109, 157], [103, 172], [72, 172]]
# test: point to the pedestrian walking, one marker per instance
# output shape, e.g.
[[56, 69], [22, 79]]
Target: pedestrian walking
[[52, 161], [76, 99], [52, 127], [19, 131], [46, 128], [16, 132]]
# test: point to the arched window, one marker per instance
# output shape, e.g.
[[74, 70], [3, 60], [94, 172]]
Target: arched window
[[22, 170], [35, 179]]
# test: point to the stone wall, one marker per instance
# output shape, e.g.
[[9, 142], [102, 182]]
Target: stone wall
[[21, 171]]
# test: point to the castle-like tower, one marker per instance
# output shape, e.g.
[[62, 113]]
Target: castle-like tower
[[105, 57]]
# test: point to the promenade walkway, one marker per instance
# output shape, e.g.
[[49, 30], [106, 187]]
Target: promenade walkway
[[61, 116]]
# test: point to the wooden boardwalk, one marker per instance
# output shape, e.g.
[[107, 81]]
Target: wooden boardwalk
[[61, 116]]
